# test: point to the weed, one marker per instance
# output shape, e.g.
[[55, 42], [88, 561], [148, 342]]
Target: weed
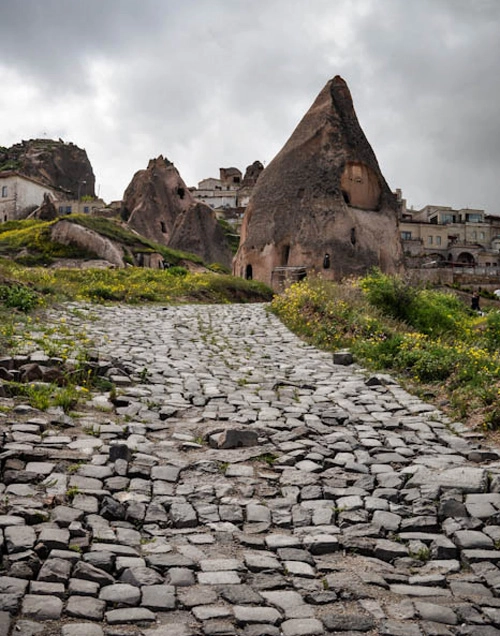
[[267, 458], [423, 555], [72, 492], [75, 548], [94, 431]]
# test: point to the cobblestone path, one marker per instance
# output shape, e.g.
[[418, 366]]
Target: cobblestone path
[[242, 483]]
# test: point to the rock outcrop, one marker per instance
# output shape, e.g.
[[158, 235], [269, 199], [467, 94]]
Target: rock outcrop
[[69, 233], [55, 163], [252, 173], [197, 231], [47, 211], [322, 204], [159, 205]]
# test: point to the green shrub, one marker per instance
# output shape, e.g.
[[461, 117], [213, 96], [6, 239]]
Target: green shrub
[[177, 270], [18, 297], [492, 330], [390, 294], [429, 311]]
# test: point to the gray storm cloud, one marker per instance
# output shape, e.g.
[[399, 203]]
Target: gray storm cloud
[[225, 83]]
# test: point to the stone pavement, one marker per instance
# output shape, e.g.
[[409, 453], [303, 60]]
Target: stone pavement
[[242, 483]]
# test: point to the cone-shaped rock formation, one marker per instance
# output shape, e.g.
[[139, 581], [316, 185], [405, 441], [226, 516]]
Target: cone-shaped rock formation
[[158, 205], [322, 204]]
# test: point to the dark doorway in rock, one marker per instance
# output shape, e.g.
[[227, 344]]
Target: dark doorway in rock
[[326, 261], [248, 272], [163, 227], [346, 197], [285, 255], [181, 193]]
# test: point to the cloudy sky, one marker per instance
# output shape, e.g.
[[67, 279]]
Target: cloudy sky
[[211, 83]]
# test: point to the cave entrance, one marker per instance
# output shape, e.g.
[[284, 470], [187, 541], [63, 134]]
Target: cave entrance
[[248, 272], [285, 255]]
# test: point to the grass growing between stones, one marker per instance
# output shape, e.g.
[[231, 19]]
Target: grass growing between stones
[[429, 337]]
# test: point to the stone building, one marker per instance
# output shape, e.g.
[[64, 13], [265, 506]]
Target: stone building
[[442, 236], [20, 195], [231, 190]]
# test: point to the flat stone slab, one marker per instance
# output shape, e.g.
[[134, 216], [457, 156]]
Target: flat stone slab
[[465, 478], [129, 615], [42, 607]]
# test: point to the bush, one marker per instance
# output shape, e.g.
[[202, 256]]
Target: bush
[[18, 297], [390, 294], [177, 270], [429, 311], [492, 330]]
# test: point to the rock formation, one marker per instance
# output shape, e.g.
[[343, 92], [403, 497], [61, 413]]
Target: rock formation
[[322, 204], [159, 205], [55, 163], [197, 231], [252, 173], [47, 211], [69, 233]]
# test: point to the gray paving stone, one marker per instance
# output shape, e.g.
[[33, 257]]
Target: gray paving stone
[[302, 627], [122, 593], [246, 614], [82, 629], [129, 615], [158, 598], [436, 613], [42, 607], [85, 607]]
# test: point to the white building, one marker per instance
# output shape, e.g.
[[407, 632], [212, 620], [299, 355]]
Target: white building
[[20, 195]]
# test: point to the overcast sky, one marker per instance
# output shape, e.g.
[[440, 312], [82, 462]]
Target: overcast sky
[[211, 83]]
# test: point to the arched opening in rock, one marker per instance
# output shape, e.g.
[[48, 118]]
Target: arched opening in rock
[[163, 227], [181, 193], [360, 186], [248, 272]]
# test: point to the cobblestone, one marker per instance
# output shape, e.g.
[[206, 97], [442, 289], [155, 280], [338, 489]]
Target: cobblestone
[[242, 482]]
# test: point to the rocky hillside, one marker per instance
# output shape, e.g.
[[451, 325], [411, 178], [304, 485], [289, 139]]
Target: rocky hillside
[[55, 163]]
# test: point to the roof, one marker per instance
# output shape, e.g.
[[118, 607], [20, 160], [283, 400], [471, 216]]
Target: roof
[[13, 173]]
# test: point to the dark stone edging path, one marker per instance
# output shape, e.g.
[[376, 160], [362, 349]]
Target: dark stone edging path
[[355, 508]]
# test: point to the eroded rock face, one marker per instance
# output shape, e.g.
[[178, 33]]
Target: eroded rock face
[[55, 163], [197, 231], [252, 173], [72, 234], [323, 194], [154, 199], [158, 205]]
